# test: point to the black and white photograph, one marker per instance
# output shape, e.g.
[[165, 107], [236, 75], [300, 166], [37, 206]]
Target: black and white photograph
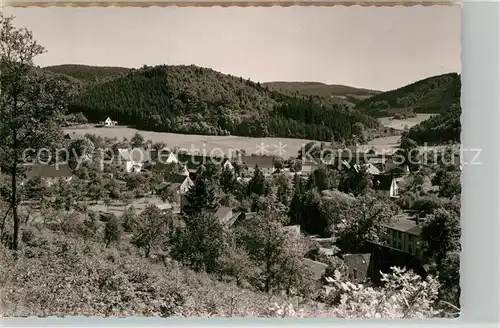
[[231, 162]]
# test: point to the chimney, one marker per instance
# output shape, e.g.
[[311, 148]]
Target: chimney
[[417, 218]]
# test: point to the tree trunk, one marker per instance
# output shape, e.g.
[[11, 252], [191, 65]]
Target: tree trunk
[[15, 239]]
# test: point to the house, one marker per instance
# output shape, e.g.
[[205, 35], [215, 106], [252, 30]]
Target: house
[[224, 214], [50, 174], [404, 232], [228, 165], [130, 160], [193, 162], [264, 163], [357, 266], [70, 136], [179, 186], [316, 268], [385, 185], [109, 122], [383, 257], [241, 216], [370, 168], [162, 160], [308, 167]]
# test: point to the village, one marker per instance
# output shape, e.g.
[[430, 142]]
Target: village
[[156, 175]]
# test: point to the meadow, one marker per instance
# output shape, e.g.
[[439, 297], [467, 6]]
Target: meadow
[[209, 144]]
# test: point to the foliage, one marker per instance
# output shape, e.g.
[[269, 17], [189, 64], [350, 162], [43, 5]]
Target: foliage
[[151, 228], [363, 221], [31, 104]]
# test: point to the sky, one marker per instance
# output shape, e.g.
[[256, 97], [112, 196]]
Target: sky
[[380, 48]]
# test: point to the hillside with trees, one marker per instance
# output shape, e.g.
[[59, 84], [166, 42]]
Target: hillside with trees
[[438, 129], [432, 95], [196, 100]]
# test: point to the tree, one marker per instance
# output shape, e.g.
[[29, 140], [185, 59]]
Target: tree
[[201, 243], [441, 235], [199, 198], [270, 247], [257, 185], [112, 230], [137, 140], [31, 104], [129, 219], [96, 189], [151, 228], [227, 180], [363, 221]]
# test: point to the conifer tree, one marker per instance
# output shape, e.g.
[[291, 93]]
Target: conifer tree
[[200, 197], [257, 185]]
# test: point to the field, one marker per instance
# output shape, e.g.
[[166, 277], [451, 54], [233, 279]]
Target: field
[[222, 145], [201, 143], [400, 124]]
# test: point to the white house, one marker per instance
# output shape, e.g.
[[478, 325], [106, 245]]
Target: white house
[[130, 160], [227, 165], [385, 185], [110, 122]]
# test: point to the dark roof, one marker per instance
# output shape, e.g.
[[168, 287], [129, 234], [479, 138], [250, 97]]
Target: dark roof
[[316, 268], [222, 213], [358, 262], [177, 179], [193, 162], [260, 161], [382, 258], [404, 223], [48, 171], [382, 181]]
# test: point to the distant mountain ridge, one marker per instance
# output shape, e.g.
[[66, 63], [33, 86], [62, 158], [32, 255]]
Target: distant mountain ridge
[[86, 73], [343, 93]]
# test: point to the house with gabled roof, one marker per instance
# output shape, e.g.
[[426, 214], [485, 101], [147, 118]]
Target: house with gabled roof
[[130, 160], [179, 185], [385, 185], [404, 233], [109, 122], [264, 163], [370, 168]]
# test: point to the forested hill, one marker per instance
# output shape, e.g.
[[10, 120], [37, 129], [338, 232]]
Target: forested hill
[[432, 95], [191, 99], [86, 73], [438, 129], [339, 93]]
